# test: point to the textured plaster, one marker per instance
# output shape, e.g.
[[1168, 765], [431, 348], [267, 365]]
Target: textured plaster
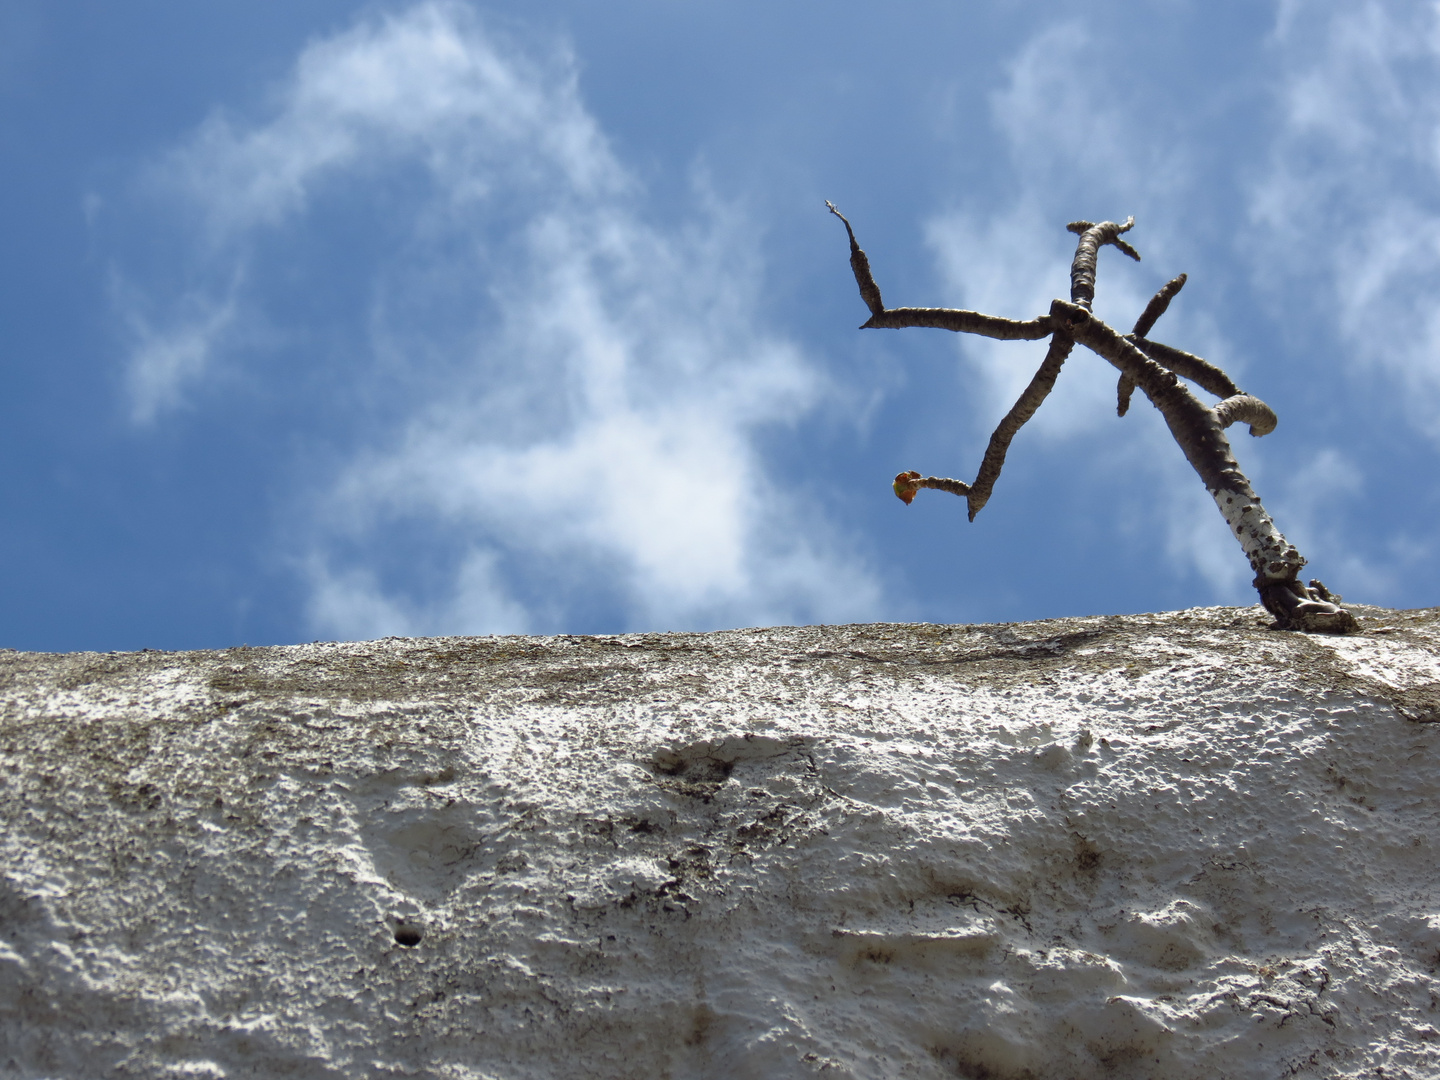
[[1178, 845]]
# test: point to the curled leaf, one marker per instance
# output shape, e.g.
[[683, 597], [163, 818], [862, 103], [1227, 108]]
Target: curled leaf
[[906, 484]]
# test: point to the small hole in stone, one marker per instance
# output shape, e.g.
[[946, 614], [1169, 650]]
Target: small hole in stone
[[408, 936]]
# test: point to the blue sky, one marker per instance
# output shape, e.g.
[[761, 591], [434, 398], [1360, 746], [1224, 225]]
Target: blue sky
[[325, 320]]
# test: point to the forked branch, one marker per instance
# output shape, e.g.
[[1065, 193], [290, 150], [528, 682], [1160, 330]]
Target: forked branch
[[1157, 370]]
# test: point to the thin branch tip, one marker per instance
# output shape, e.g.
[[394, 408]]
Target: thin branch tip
[[1124, 389], [1158, 305], [1247, 409], [860, 265], [842, 217]]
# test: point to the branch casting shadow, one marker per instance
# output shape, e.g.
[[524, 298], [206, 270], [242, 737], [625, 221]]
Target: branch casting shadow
[[1157, 370]]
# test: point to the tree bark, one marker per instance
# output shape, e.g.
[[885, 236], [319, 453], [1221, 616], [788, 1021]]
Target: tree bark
[[1156, 369]]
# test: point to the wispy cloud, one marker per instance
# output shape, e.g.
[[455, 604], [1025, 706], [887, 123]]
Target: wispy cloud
[[430, 85], [577, 428], [620, 444], [1347, 213], [1352, 188], [428, 89], [353, 603], [1308, 499], [168, 357]]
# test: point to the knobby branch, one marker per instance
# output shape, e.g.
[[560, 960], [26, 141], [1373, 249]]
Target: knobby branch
[[1157, 369]]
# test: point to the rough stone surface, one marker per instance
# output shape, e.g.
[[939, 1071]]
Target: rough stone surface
[[1178, 845]]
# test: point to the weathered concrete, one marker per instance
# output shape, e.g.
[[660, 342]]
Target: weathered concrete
[[1175, 845]]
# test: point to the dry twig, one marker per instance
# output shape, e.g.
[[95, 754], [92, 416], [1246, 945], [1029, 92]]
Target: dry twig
[[1157, 370]]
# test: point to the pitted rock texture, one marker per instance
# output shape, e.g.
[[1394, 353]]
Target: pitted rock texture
[[1178, 845]]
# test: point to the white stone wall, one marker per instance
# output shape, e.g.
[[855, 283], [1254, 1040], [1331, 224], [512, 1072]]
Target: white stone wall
[[1179, 846]]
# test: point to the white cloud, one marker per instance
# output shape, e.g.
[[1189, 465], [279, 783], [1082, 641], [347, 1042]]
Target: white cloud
[[353, 604], [1065, 118], [1352, 189], [587, 432], [165, 360], [428, 87], [1318, 501], [430, 84], [641, 467]]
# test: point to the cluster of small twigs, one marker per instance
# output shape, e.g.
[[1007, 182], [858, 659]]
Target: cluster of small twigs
[[1156, 369]]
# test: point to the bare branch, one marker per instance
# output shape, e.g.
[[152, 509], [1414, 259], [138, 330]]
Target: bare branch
[[1200, 434], [1082, 277], [1157, 370], [907, 483], [1143, 325], [1124, 389], [1092, 238], [1126, 248], [869, 291], [1097, 335], [1030, 400], [1158, 305], [967, 322], [1249, 410], [1201, 372]]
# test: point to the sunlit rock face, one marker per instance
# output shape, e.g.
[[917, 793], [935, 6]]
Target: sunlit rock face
[[1177, 845]]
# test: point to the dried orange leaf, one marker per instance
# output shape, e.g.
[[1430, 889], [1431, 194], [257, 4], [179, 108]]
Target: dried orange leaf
[[906, 485]]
